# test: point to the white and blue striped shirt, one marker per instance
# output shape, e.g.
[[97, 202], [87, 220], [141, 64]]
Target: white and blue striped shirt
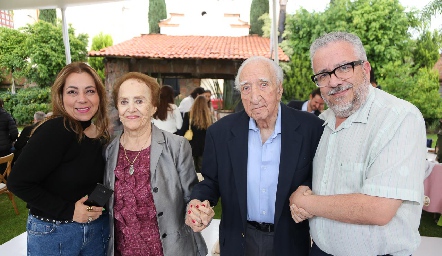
[[378, 151]]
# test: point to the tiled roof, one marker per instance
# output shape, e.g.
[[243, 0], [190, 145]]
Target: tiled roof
[[190, 47]]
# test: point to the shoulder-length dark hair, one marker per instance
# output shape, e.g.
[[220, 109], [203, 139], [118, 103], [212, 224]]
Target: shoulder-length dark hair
[[196, 92], [166, 98], [100, 118]]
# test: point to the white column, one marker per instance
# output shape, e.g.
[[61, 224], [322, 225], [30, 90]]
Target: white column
[[274, 37], [67, 46]]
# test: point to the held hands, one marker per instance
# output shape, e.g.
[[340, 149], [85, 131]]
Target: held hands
[[298, 213], [199, 215], [84, 213]]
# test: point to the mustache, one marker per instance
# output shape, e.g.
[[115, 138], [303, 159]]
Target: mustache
[[339, 88]]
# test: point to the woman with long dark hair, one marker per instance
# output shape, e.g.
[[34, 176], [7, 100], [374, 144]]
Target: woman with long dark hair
[[168, 117], [61, 163]]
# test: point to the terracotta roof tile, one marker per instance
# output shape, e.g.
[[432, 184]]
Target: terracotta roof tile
[[190, 47]]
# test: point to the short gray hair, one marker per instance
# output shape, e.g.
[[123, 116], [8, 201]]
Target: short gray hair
[[333, 37], [39, 116], [277, 70]]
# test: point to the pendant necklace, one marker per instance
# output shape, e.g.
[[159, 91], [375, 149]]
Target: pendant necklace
[[131, 164]]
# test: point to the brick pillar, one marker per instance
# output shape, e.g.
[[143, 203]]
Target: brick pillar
[[114, 69]]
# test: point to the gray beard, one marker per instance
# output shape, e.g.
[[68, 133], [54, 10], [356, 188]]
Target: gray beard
[[343, 109]]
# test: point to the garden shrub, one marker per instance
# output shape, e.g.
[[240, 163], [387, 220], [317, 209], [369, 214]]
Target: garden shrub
[[26, 102]]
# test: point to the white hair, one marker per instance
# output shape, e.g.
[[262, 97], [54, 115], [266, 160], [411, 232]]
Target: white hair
[[277, 70]]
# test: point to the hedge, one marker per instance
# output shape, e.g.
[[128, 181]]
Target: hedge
[[26, 102]]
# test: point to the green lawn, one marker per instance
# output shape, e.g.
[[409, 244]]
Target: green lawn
[[434, 138], [13, 225], [217, 210], [428, 226]]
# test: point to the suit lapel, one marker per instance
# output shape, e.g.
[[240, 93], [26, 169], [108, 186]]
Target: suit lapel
[[113, 151], [291, 143], [238, 151], [156, 149]]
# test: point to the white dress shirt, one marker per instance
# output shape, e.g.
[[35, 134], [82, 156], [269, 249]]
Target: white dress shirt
[[173, 122]]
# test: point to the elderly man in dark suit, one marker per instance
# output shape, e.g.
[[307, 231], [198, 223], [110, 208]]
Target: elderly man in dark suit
[[314, 105], [254, 160]]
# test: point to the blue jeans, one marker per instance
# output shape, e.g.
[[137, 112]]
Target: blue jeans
[[88, 239]]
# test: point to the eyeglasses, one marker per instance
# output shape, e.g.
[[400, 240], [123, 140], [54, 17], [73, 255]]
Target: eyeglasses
[[342, 72]]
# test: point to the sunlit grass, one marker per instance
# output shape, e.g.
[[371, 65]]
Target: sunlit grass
[[434, 138], [11, 225]]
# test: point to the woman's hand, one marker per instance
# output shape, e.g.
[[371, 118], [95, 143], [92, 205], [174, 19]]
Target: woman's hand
[[199, 215], [84, 213]]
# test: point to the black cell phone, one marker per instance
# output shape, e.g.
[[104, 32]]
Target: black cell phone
[[99, 196]]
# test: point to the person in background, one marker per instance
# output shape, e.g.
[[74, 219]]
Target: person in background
[[200, 118], [61, 163], [167, 117], [8, 131], [314, 105], [208, 95], [152, 174], [187, 102], [26, 133], [254, 160], [369, 167]]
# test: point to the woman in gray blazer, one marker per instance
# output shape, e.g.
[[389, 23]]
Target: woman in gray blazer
[[152, 174]]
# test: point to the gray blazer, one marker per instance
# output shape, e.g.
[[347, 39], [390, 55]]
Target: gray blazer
[[172, 179]]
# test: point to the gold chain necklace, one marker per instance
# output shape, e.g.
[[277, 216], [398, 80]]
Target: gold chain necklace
[[131, 166]]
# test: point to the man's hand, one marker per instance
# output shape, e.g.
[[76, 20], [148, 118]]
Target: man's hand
[[199, 215], [299, 214]]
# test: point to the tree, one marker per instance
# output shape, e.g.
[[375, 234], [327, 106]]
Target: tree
[[301, 29], [389, 46], [157, 12], [426, 52], [45, 50], [421, 88], [267, 25], [257, 9], [384, 41], [99, 42], [48, 15], [12, 56], [431, 9]]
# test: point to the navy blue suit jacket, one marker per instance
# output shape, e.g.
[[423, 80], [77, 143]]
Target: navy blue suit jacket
[[225, 175]]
